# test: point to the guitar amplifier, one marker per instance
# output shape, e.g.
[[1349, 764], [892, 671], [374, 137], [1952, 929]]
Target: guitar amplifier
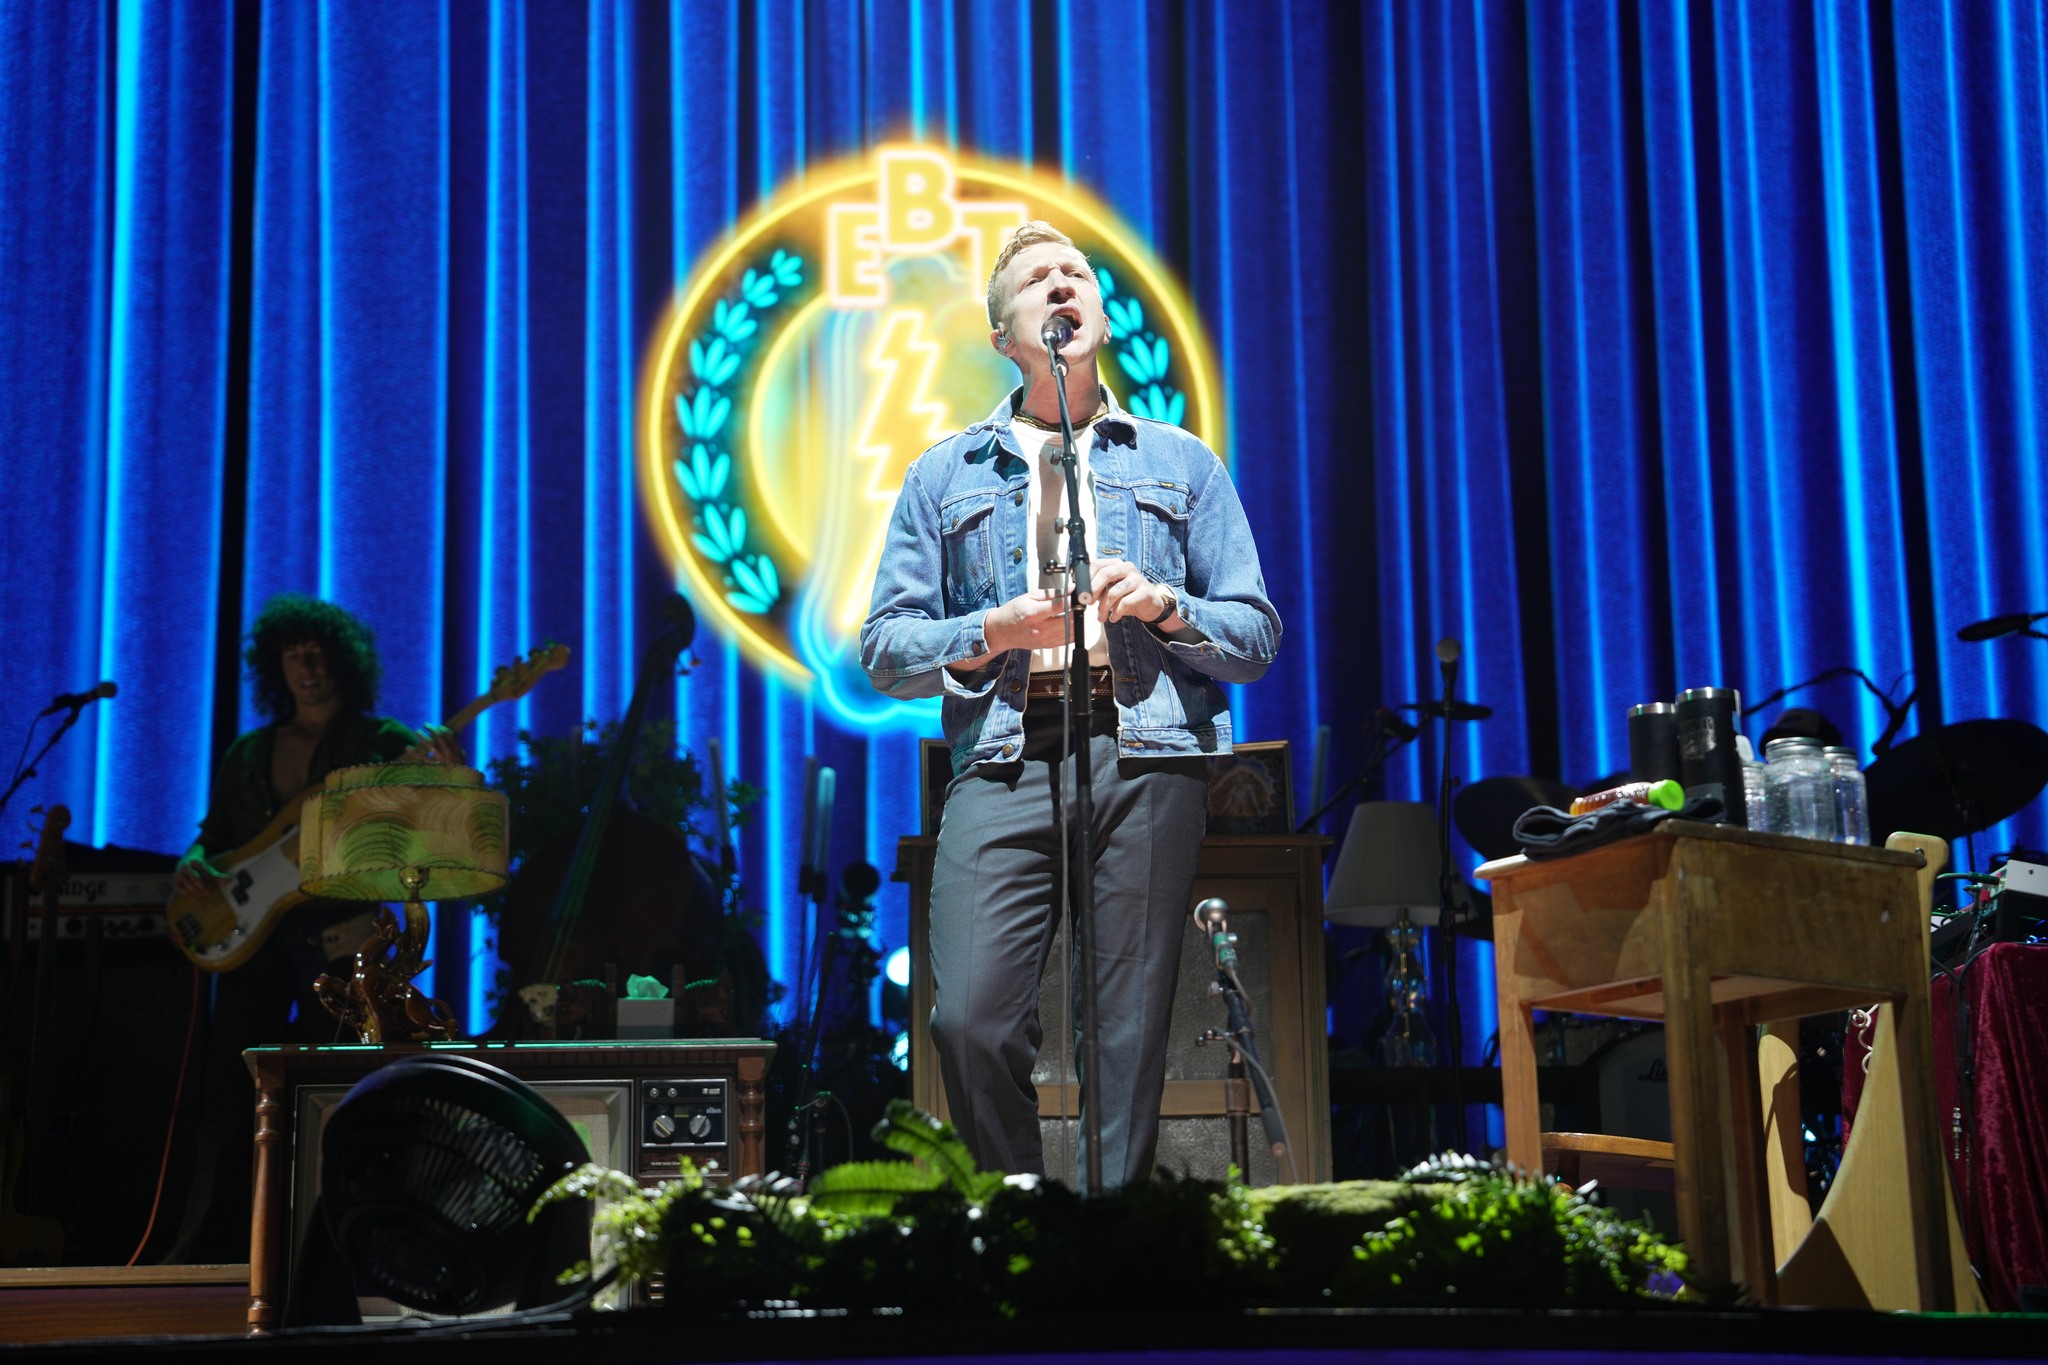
[[126, 905]]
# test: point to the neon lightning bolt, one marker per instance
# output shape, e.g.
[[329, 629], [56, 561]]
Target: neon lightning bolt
[[901, 420]]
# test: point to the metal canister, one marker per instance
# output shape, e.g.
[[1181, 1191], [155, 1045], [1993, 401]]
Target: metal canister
[[1653, 742], [1709, 764]]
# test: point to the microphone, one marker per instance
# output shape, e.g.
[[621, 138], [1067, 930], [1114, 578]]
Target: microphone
[[1447, 651], [1999, 625], [78, 701], [1212, 918], [1395, 726], [1058, 331]]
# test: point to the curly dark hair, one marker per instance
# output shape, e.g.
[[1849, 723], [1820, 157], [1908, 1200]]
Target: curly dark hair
[[292, 618]]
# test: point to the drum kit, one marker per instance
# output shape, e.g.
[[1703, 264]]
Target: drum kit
[[1953, 781]]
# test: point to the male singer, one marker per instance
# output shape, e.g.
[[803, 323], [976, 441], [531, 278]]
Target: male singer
[[970, 604]]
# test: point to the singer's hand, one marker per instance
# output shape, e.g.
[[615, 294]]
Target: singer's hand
[[1034, 620], [1123, 593], [194, 872]]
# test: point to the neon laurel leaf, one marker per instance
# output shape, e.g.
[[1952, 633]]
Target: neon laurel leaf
[[756, 591], [731, 321], [723, 370], [1161, 356], [1127, 314], [758, 289], [693, 488], [788, 269], [715, 476], [715, 531], [1137, 363], [769, 578], [709, 409], [1176, 409], [736, 528], [707, 548], [1102, 278]]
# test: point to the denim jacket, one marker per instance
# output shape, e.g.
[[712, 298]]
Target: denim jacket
[[959, 546]]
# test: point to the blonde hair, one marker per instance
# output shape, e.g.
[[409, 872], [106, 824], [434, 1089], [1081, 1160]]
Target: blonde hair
[[1034, 233]]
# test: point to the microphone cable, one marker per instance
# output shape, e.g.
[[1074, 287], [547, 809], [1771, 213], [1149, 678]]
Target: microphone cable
[[171, 1128]]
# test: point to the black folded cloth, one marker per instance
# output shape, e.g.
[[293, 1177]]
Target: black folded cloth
[[1547, 832]]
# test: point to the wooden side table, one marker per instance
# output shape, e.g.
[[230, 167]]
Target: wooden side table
[[621, 1070], [1714, 930]]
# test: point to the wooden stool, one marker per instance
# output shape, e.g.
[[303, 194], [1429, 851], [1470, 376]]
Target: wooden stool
[[1715, 930]]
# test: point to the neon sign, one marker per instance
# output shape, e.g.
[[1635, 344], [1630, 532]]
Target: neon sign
[[838, 333]]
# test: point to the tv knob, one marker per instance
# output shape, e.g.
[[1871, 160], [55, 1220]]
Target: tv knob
[[700, 1125], [664, 1126]]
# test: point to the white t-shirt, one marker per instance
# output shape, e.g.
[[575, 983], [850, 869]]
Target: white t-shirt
[[1047, 507]]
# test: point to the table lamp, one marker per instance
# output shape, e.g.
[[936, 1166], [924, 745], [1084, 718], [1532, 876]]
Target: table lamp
[[1386, 878], [398, 832]]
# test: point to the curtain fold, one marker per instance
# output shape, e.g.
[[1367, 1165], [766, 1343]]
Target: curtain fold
[[1637, 346]]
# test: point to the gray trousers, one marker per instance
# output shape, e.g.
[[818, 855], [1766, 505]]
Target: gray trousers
[[996, 903]]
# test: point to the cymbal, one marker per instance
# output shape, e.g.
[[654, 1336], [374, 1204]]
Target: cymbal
[[1958, 779], [1485, 811], [1460, 710]]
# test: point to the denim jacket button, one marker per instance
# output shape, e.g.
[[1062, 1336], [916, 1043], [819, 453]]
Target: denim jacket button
[[1016, 687], [1017, 498], [1016, 556], [1009, 749]]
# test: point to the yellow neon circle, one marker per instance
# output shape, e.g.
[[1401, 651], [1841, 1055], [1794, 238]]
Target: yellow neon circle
[[857, 181]]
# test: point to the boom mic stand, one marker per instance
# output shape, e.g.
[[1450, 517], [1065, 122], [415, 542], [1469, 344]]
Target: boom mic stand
[[1384, 733], [25, 772], [1080, 872]]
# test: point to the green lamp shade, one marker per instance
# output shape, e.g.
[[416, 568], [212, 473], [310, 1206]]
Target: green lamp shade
[[370, 827]]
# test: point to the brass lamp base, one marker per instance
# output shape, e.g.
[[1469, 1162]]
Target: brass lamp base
[[379, 1000]]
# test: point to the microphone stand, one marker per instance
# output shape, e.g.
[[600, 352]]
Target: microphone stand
[[1895, 713], [1380, 745], [23, 773], [1211, 919], [1080, 873], [1454, 1032]]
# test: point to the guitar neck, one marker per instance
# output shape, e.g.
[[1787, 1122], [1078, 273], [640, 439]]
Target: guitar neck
[[462, 719]]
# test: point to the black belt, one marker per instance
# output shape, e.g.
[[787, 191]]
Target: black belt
[[1054, 684]]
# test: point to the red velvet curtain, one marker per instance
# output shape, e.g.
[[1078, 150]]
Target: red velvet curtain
[[1999, 1035]]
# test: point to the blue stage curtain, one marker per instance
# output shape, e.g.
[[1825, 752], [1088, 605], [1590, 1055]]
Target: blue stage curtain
[[1638, 346]]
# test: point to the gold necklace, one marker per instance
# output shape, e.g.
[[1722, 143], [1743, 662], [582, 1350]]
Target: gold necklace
[[1031, 421]]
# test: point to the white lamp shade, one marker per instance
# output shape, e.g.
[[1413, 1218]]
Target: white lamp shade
[[1387, 866]]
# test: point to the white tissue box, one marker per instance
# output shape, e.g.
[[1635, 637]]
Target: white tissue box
[[647, 1018]]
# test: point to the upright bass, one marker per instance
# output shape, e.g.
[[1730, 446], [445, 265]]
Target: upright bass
[[630, 895]]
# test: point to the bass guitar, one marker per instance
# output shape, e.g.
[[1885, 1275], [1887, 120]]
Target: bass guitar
[[221, 925]]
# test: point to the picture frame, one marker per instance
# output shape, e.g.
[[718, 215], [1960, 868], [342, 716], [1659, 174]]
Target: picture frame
[[1251, 790]]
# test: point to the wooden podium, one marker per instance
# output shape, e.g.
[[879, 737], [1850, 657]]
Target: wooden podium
[[1274, 886]]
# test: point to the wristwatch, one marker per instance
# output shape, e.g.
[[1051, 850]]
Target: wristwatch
[[1172, 606]]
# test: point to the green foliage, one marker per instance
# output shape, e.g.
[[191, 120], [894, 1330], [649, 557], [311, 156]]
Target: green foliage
[[1495, 1236], [932, 1143], [626, 1229], [937, 1235]]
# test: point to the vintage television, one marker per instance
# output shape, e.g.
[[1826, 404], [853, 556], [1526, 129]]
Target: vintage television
[[640, 1106]]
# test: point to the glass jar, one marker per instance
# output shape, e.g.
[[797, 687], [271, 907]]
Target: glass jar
[[1852, 799], [1799, 789], [1753, 794]]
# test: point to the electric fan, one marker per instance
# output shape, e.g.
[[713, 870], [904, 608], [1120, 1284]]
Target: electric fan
[[428, 1167]]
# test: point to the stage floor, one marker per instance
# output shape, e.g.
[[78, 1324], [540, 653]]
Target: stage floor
[[1465, 1337]]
